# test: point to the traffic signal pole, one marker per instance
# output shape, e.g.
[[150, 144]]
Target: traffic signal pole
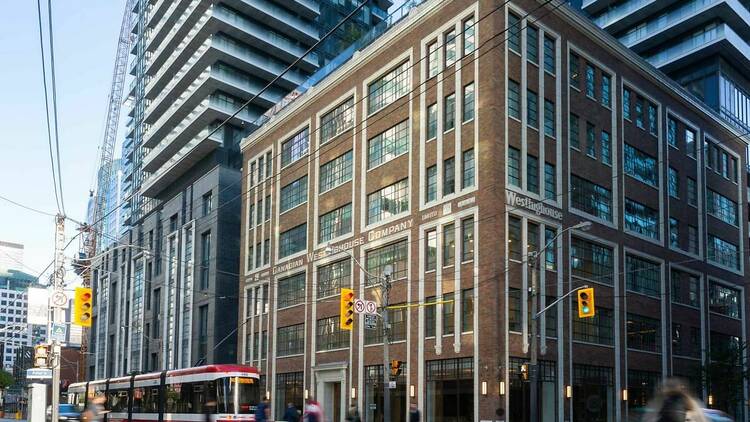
[[57, 312], [385, 288]]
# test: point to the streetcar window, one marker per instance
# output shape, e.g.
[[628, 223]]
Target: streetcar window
[[117, 400], [151, 400], [238, 395], [138, 393]]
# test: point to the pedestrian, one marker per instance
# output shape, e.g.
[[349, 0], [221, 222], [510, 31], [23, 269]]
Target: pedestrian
[[313, 412], [291, 414], [414, 415], [261, 411], [674, 404], [95, 409], [353, 414]]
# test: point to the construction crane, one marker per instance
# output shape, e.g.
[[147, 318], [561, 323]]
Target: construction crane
[[92, 231]]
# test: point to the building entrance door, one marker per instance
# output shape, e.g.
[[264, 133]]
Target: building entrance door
[[332, 401], [330, 390]]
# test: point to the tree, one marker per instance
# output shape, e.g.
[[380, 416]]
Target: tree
[[724, 374], [6, 379]]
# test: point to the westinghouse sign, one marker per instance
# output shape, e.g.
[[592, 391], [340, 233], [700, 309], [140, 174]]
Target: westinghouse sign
[[517, 200]]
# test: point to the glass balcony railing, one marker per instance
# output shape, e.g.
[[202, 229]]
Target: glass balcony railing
[[666, 20], [709, 34], [177, 26], [617, 12]]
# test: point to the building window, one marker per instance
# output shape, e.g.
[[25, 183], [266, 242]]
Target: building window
[[550, 182], [643, 276], [643, 333], [550, 254], [388, 145], [266, 251], [626, 104], [724, 300], [514, 99], [467, 239], [684, 288], [606, 90], [596, 329], [432, 121], [532, 174], [639, 113], [449, 176], [532, 44], [674, 233], [330, 336], [267, 208], [430, 321], [591, 198], [290, 291], [207, 204], [431, 184], [652, 128], [468, 106], [574, 129], [202, 330], [549, 118], [467, 310], [394, 254], [293, 148], [397, 321], [721, 207], [532, 109], [575, 71], [692, 192], [449, 245], [591, 261], [431, 251], [549, 55], [334, 276], [672, 132], [467, 169], [640, 166], [388, 201], [515, 239], [692, 239], [468, 35], [514, 167], [514, 39], [205, 259], [449, 310], [674, 183], [293, 194], [335, 223], [336, 172], [590, 81], [606, 148], [641, 219], [432, 59], [293, 240], [388, 88], [290, 340], [722, 252], [449, 112], [337, 121], [690, 143], [289, 389], [449, 385], [450, 48], [590, 140]]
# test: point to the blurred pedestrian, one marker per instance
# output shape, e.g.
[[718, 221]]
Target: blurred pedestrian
[[675, 404], [353, 414], [313, 412], [414, 415], [262, 411], [291, 414]]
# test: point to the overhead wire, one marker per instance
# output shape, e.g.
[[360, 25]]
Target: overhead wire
[[54, 102]]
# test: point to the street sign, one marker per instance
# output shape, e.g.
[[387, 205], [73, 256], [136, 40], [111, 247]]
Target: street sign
[[59, 299], [39, 374], [371, 307], [371, 321], [392, 384], [359, 306], [58, 332]]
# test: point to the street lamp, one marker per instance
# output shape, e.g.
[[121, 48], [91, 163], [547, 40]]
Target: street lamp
[[534, 262]]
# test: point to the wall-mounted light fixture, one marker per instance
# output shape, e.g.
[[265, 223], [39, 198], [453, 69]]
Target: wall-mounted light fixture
[[354, 393], [624, 394], [502, 388], [307, 394], [710, 399], [412, 391], [484, 388], [568, 391]]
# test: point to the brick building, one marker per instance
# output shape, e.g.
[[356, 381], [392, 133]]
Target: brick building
[[466, 136]]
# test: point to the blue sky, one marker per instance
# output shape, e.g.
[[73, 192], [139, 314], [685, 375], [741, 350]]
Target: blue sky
[[85, 34]]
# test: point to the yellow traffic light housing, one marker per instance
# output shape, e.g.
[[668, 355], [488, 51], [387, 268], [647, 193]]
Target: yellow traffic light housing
[[83, 305], [586, 303], [396, 367], [347, 309]]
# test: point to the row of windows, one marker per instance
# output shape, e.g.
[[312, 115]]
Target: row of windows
[[674, 139], [449, 47], [532, 174], [515, 241], [602, 89], [646, 112], [591, 198], [640, 165], [449, 176], [532, 108], [448, 244], [721, 207], [675, 239], [532, 43], [449, 112], [260, 168], [720, 161], [449, 311], [641, 219]]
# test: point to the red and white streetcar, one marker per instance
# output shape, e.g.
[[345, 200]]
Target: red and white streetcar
[[223, 392]]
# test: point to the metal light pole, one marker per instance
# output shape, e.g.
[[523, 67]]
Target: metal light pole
[[385, 288], [534, 266]]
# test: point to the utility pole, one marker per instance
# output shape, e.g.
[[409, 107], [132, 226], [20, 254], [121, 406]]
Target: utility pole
[[533, 369], [57, 312], [385, 288]]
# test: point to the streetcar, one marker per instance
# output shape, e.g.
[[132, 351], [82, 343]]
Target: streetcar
[[217, 392]]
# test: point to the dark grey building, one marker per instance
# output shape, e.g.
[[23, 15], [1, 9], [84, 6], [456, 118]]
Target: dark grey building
[[702, 44], [166, 291]]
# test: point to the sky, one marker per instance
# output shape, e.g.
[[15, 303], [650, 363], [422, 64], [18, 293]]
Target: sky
[[85, 35]]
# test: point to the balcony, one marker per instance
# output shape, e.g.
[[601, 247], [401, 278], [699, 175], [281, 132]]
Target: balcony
[[165, 23], [689, 15], [157, 12], [190, 154], [215, 107], [190, 19], [279, 18], [710, 40]]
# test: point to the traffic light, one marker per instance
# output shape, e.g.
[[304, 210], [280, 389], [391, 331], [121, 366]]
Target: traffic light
[[347, 309], [396, 367], [586, 303], [41, 356], [82, 306]]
